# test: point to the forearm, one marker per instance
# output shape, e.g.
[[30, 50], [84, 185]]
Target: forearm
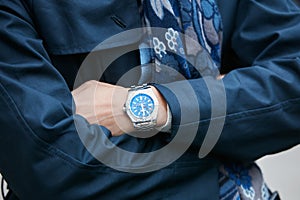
[[261, 87], [102, 103], [38, 136]]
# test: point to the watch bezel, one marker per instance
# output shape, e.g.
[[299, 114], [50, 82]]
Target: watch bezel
[[141, 123], [134, 100]]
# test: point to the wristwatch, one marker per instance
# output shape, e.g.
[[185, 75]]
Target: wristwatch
[[141, 107]]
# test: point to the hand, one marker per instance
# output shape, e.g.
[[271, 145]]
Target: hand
[[102, 103]]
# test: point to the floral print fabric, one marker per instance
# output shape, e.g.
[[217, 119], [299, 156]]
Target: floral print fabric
[[242, 182], [198, 20]]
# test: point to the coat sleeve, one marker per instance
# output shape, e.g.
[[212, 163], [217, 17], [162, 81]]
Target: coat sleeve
[[41, 154], [262, 92]]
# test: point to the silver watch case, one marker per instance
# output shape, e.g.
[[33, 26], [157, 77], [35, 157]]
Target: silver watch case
[[142, 123]]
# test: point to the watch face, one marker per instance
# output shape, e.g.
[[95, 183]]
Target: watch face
[[141, 105]]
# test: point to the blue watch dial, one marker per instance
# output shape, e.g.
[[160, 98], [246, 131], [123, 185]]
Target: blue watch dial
[[141, 105]]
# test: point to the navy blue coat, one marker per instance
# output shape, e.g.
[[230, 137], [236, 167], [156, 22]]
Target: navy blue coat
[[42, 46]]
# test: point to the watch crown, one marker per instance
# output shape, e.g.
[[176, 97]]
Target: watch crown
[[124, 108]]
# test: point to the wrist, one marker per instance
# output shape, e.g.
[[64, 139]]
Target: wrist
[[146, 108], [162, 114], [121, 118]]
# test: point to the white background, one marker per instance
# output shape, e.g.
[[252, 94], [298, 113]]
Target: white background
[[282, 173]]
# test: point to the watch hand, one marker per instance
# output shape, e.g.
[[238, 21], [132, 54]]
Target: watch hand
[[143, 110]]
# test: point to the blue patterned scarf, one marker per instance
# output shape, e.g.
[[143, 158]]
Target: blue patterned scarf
[[198, 20], [201, 21]]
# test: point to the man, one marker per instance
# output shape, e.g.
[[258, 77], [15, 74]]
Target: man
[[43, 149]]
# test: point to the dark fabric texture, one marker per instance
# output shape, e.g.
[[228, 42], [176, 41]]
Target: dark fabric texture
[[41, 154]]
